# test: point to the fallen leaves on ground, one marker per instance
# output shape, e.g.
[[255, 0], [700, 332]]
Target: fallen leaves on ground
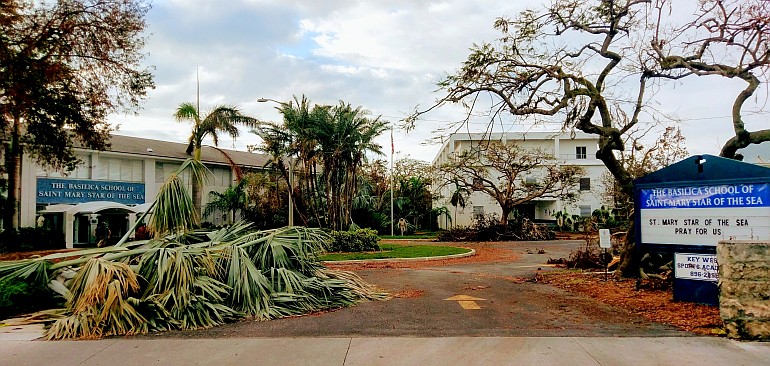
[[653, 304], [13, 256], [407, 294]]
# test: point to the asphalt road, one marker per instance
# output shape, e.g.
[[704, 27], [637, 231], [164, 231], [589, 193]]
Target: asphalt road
[[510, 304]]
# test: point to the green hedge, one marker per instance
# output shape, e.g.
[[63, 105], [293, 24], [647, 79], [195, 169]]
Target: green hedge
[[358, 240]]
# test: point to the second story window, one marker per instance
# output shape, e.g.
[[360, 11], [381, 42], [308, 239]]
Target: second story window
[[580, 152]]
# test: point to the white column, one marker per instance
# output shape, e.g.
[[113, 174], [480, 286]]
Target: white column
[[150, 188], [69, 230], [131, 221]]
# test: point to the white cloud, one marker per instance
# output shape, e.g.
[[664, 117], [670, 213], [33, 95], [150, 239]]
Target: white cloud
[[385, 56]]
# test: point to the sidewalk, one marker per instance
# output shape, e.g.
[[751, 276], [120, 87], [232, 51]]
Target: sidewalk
[[702, 351]]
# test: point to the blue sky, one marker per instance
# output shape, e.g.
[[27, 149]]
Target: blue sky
[[385, 56]]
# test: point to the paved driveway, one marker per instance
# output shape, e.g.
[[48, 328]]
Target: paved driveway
[[512, 305]]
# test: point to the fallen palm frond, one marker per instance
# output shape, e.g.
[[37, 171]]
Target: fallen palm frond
[[190, 280], [187, 279]]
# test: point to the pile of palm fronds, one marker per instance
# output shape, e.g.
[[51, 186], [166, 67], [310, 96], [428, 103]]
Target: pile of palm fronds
[[189, 281]]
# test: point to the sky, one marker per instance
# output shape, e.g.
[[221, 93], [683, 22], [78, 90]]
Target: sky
[[384, 56]]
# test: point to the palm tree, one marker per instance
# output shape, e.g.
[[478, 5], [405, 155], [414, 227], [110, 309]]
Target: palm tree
[[344, 139], [458, 197], [334, 139], [222, 118], [290, 145]]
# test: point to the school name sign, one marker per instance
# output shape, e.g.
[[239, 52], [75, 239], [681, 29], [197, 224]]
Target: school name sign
[[72, 191], [705, 215]]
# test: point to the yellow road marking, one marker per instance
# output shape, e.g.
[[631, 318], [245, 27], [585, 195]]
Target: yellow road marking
[[469, 305], [464, 298], [466, 302]]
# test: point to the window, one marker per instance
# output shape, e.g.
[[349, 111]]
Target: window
[[580, 152], [585, 211], [585, 184], [82, 170], [164, 170], [220, 177], [127, 170]]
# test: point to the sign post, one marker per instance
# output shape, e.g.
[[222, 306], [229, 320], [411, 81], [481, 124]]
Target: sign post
[[605, 243]]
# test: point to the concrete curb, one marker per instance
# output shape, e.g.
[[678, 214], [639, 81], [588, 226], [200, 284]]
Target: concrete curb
[[416, 259]]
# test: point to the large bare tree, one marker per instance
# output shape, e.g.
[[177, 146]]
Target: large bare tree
[[500, 171], [590, 64], [725, 38]]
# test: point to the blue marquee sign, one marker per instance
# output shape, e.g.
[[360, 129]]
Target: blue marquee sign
[[73, 191]]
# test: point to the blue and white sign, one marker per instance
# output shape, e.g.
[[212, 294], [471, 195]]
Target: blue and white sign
[[704, 215], [53, 191]]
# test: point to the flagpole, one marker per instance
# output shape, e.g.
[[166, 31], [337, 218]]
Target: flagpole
[[198, 92], [392, 152]]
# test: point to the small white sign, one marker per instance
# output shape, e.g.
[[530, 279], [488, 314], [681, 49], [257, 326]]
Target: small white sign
[[702, 267], [604, 239]]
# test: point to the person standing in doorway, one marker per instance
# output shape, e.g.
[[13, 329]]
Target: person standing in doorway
[[102, 234]]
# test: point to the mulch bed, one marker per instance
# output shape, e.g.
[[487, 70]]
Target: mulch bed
[[653, 304], [25, 255]]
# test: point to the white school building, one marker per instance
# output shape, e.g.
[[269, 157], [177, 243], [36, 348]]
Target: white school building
[[575, 149], [116, 185]]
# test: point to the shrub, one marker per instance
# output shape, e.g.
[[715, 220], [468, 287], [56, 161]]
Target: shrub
[[30, 238], [488, 228], [18, 297], [358, 240]]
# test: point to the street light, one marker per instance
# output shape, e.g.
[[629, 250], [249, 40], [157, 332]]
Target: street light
[[262, 100], [291, 170]]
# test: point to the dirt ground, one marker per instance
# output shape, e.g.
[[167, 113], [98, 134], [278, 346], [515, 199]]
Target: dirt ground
[[653, 304]]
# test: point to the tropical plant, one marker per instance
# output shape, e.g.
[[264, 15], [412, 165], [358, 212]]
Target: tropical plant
[[229, 201], [221, 118], [458, 196], [414, 201], [266, 200], [187, 279], [329, 144]]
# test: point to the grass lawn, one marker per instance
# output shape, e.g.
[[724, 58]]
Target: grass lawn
[[397, 251]]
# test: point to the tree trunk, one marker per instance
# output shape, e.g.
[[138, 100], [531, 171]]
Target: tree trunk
[[629, 258], [13, 165], [197, 195], [504, 217]]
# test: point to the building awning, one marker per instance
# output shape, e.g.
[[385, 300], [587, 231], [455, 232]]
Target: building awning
[[56, 209], [142, 208], [89, 208]]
